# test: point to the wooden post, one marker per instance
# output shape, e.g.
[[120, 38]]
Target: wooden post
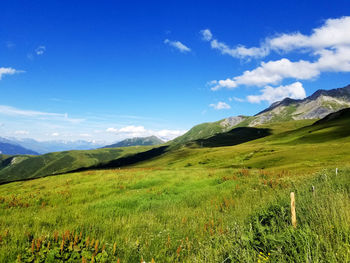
[[336, 171], [292, 210]]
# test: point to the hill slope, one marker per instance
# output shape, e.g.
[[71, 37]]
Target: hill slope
[[322, 144], [206, 130], [14, 168]]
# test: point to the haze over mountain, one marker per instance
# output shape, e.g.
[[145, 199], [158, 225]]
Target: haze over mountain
[[42, 147], [137, 141], [12, 148]]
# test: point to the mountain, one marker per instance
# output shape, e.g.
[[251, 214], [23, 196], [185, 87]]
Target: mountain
[[314, 107], [137, 141], [11, 148], [43, 147]]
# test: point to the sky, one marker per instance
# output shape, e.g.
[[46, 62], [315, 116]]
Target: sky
[[109, 70]]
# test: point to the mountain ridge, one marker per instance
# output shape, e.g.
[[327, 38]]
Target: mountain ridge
[[316, 106], [338, 92]]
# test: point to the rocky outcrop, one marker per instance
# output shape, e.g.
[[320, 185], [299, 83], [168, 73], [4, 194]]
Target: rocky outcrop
[[232, 121]]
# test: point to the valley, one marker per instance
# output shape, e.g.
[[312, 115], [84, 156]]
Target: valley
[[211, 198]]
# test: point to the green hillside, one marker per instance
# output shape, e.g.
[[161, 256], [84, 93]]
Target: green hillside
[[200, 131], [14, 168], [284, 149], [334, 127]]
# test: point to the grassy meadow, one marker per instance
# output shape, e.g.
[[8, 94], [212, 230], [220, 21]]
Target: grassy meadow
[[180, 215]]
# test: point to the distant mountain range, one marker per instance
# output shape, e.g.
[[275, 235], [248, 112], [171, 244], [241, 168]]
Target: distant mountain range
[[13, 146], [137, 141], [10, 148], [42, 147]]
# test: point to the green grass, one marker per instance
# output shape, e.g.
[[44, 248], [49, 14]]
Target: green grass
[[211, 214]]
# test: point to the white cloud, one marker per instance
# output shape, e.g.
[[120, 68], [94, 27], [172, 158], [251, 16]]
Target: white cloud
[[239, 51], [270, 94], [334, 33], [237, 99], [178, 45], [40, 50], [220, 106], [55, 134], [12, 111], [274, 72], [206, 34], [21, 132], [8, 71], [329, 44], [133, 129], [226, 83], [113, 130], [8, 110], [165, 134], [84, 135]]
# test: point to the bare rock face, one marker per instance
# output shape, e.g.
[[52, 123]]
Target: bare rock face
[[232, 121], [316, 106]]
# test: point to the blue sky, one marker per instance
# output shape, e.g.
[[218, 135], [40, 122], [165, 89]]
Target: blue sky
[[107, 70]]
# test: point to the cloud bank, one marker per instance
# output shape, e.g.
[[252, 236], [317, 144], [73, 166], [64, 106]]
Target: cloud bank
[[270, 94], [327, 49]]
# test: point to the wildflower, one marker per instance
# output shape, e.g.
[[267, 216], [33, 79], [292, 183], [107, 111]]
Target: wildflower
[[114, 248]]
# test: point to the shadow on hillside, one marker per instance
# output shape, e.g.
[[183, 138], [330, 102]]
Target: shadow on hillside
[[234, 137], [128, 160]]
